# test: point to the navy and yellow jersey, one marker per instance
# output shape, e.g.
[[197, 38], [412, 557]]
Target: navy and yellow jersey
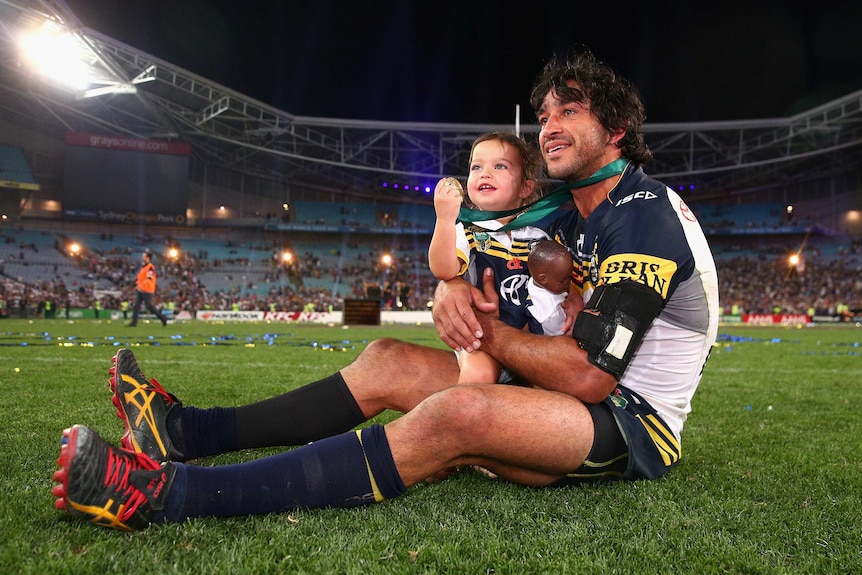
[[480, 246], [645, 232]]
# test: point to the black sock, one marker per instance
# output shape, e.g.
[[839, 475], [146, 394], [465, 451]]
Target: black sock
[[317, 410], [199, 432]]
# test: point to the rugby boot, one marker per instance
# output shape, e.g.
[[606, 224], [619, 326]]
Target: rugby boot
[[143, 406], [106, 485]]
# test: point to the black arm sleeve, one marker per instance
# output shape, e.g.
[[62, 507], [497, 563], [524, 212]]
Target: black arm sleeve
[[612, 325]]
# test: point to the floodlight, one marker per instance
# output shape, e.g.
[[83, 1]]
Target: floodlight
[[66, 58], [57, 54]]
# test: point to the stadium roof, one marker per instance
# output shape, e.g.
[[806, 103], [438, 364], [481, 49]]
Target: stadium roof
[[138, 95]]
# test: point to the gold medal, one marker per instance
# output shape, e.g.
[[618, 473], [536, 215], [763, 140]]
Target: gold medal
[[455, 185]]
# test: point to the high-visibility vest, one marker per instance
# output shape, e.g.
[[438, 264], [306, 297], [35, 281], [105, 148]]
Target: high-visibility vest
[[147, 278]]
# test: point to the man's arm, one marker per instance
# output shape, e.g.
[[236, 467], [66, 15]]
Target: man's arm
[[573, 305], [554, 363]]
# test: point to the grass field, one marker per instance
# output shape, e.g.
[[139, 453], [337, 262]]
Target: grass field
[[770, 480]]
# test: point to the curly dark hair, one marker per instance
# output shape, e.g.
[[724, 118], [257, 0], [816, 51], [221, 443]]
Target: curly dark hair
[[612, 99]]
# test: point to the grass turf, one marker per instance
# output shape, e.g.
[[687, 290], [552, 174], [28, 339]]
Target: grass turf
[[770, 480]]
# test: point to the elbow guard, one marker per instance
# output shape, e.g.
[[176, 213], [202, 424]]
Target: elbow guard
[[612, 325]]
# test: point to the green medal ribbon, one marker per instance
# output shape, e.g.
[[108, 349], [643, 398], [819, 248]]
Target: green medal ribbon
[[532, 213]]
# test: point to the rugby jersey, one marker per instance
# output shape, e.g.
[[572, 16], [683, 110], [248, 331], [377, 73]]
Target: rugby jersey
[[645, 232], [481, 245]]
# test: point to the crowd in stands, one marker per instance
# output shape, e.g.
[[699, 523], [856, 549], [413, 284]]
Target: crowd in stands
[[765, 281], [243, 277], [253, 276]]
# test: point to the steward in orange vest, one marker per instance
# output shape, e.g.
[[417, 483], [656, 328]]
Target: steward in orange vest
[[145, 287]]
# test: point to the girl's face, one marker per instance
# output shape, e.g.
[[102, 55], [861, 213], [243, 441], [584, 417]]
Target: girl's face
[[496, 178]]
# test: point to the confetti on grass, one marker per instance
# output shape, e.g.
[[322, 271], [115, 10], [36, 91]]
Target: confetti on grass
[[851, 348], [44, 339]]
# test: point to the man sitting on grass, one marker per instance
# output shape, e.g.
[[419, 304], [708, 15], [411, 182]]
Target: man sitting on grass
[[608, 402]]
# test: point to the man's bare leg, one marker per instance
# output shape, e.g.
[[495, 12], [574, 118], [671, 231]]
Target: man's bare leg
[[388, 374], [525, 435], [392, 374]]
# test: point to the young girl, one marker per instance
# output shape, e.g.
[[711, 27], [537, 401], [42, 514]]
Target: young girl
[[503, 172]]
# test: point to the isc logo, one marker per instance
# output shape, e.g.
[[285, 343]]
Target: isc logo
[[641, 195]]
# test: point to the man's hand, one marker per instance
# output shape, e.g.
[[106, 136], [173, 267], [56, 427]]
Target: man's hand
[[491, 301], [454, 311], [573, 304]]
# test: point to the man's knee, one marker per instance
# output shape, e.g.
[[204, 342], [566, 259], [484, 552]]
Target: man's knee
[[393, 374], [463, 410], [384, 347], [403, 357]]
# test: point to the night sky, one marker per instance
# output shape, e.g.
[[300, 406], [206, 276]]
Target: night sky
[[469, 61]]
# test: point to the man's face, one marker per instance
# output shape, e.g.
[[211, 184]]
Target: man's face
[[573, 142]]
